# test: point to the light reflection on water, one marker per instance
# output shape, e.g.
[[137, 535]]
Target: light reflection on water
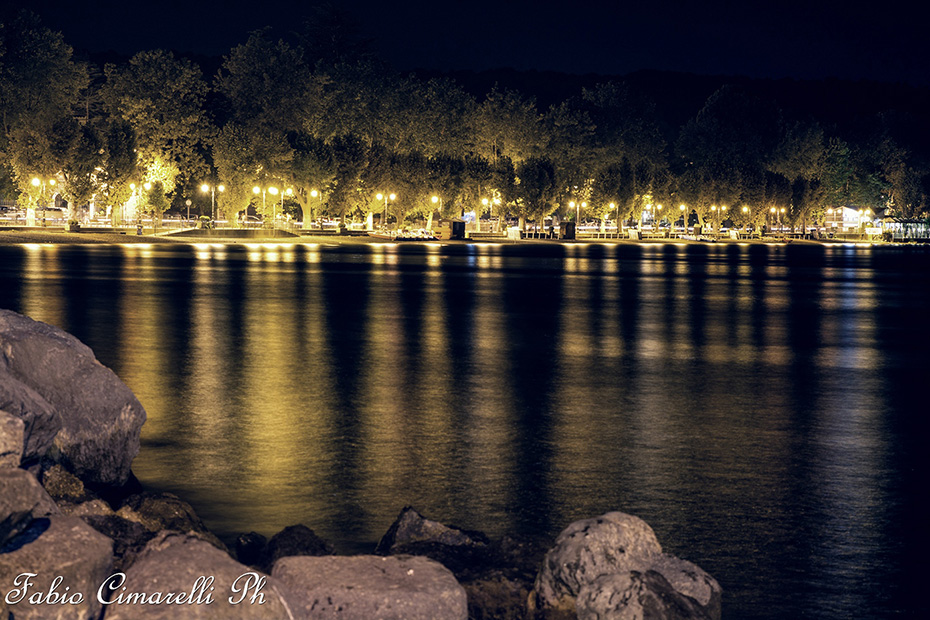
[[754, 404]]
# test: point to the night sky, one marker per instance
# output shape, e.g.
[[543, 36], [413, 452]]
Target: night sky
[[808, 40]]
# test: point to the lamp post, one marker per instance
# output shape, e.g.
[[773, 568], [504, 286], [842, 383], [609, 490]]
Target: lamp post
[[147, 187], [866, 213], [274, 216], [435, 200], [262, 190], [684, 222], [489, 203], [315, 194], [212, 189], [37, 182], [577, 206], [274, 206], [385, 197]]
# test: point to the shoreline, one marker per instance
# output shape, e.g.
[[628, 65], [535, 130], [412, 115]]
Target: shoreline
[[62, 237]]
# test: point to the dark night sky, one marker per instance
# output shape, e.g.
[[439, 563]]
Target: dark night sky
[[881, 41]]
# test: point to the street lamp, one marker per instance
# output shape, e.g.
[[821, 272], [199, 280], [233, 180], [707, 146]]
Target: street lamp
[[37, 182], [261, 190], [315, 194], [577, 206], [604, 219], [392, 197], [212, 189], [684, 222], [274, 215], [489, 203]]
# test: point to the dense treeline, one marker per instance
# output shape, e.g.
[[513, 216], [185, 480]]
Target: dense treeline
[[323, 117]]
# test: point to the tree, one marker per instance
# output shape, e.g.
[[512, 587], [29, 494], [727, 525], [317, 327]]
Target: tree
[[38, 82], [536, 189], [507, 124], [119, 168], [724, 148], [799, 158], [162, 99], [237, 166], [78, 151], [38, 79]]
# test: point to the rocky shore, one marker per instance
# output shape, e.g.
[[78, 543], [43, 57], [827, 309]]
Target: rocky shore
[[81, 539]]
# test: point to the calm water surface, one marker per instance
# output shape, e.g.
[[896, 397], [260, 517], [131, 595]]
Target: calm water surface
[[761, 407]]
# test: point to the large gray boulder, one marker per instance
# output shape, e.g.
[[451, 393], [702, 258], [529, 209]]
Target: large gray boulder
[[412, 527], [368, 586], [612, 568], [41, 421], [690, 580], [633, 596], [215, 586], [612, 543], [166, 511], [497, 575], [52, 548], [22, 499], [12, 434], [292, 540], [100, 417]]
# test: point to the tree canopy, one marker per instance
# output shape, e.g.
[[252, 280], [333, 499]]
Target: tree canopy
[[320, 114]]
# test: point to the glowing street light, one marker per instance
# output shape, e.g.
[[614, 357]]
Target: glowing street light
[[385, 197], [262, 190], [604, 219], [489, 203], [315, 194], [274, 191], [37, 182], [212, 189], [577, 206]]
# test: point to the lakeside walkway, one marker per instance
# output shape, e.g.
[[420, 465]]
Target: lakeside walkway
[[52, 236]]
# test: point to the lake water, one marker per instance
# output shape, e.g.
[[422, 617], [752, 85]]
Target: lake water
[[762, 407]]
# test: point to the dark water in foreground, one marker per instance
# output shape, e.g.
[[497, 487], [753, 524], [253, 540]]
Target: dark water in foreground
[[761, 407]]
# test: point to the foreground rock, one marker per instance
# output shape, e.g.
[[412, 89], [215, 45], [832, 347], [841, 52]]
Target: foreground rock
[[412, 527], [166, 511], [367, 587], [49, 548], [41, 421], [12, 433], [293, 540], [22, 499], [99, 416], [205, 582], [497, 575], [612, 567]]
